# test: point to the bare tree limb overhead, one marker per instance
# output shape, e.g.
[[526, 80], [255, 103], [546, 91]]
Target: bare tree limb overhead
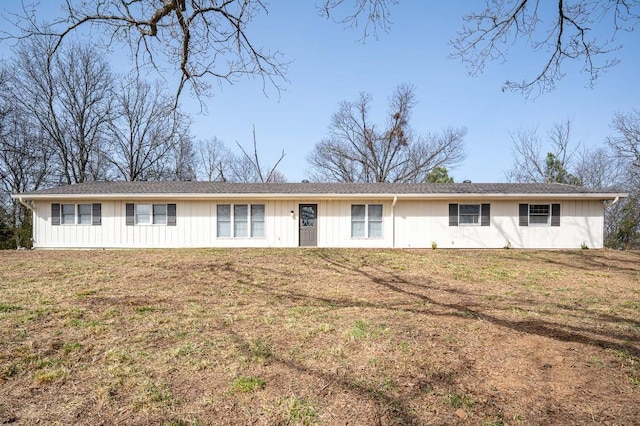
[[561, 31]]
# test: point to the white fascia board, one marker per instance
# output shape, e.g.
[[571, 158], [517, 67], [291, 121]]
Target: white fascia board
[[315, 196]]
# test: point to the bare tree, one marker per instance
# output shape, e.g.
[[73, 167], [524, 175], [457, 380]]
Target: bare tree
[[624, 230], [357, 151], [563, 30], [211, 40], [534, 161], [372, 15], [626, 143], [214, 160], [599, 168], [204, 40], [24, 164], [247, 167], [182, 162], [201, 38], [144, 129], [69, 98]]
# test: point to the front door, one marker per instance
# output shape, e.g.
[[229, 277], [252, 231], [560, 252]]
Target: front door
[[307, 218]]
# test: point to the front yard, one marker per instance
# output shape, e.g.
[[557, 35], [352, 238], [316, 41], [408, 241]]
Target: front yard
[[323, 336]]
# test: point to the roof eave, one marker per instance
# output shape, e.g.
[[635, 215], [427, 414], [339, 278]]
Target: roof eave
[[325, 196]]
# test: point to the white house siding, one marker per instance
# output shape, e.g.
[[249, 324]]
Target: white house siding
[[195, 227], [419, 224], [334, 224], [416, 224]]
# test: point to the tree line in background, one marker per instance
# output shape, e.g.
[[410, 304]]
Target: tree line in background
[[66, 118], [615, 165]]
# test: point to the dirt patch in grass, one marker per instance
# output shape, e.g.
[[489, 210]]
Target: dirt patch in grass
[[190, 337]]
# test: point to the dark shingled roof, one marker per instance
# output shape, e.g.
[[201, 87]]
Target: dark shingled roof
[[194, 187]]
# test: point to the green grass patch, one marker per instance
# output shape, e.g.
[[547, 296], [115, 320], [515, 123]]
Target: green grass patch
[[460, 401], [299, 411], [248, 384], [363, 329], [631, 304], [5, 307], [261, 351], [147, 309]]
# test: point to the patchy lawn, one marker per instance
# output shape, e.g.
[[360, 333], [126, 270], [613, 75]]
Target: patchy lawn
[[245, 336]]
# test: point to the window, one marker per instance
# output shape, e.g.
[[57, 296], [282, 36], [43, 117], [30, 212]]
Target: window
[[224, 220], [358, 219], [68, 214], [76, 214], [248, 220], [470, 214], [143, 214], [240, 220], [539, 214], [160, 214], [84, 214], [366, 221], [147, 214], [257, 220], [375, 220]]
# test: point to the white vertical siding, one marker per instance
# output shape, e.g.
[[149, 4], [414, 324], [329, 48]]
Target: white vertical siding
[[419, 224], [416, 223], [334, 224]]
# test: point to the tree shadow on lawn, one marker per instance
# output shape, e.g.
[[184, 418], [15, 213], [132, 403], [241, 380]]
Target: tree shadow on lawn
[[542, 328], [469, 309], [596, 259], [389, 409]]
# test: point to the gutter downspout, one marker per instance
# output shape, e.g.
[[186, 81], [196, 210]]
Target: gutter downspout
[[607, 205], [393, 222], [24, 203]]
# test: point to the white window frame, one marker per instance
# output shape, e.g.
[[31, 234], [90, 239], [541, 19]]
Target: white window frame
[[367, 222], [549, 213], [249, 222], [76, 214], [153, 220], [479, 215]]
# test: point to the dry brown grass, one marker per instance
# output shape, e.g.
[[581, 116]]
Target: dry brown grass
[[187, 337]]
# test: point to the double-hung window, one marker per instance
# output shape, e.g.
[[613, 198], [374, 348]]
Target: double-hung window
[[84, 214], [257, 220], [76, 214], [150, 214], [539, 214], [143, 214], [366, 221], [159, 214], [68, 214], [240, 220], [469, 214]]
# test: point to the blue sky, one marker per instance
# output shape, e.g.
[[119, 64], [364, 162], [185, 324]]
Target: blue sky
[[331, 64]]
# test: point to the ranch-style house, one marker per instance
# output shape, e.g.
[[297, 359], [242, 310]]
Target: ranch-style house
[[219, 214]]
